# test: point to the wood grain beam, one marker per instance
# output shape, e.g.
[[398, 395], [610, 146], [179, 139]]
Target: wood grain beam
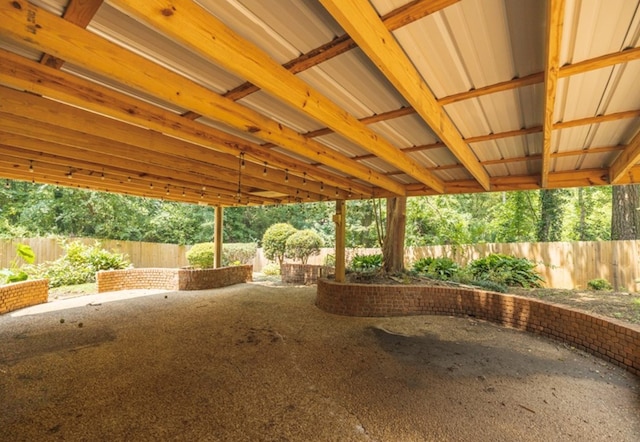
[[629, 158], [80, 13], [555, 20], [395, 19], [187, 23], [362, 22], [603, 61], [133, 143], [27, 75], [67, 41]]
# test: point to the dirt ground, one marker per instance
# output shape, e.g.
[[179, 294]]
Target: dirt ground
[[256, 362]]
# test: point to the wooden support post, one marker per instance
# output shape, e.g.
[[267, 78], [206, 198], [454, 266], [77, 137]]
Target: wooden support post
[[217, 240], [340, 219]]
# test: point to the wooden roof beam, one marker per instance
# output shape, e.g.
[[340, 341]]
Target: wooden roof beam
[[80, 13], [628, 159], [74, 44], [395, 19], [555, 19], [364, 25], [187, 23], [27, 75]]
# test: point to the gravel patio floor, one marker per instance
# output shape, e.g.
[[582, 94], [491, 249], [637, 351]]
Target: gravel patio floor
[[255, 362]]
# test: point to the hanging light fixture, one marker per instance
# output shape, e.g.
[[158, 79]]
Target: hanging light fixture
[[304, 178], [31, 166], [264, 171], [286, 175]]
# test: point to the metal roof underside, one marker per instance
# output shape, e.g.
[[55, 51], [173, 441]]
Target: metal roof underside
[[243, 102]]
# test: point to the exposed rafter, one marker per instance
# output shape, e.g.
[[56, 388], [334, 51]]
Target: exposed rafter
[[364, 25], [555, 17], [215, 41], [629, 158]]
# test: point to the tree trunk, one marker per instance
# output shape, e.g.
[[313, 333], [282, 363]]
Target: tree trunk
[[625, 213], [550, 223], [393, 247]]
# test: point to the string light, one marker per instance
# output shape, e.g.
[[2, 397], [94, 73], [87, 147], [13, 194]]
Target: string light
[[151, 186], [286, 175], [167, 190], [242, 164], [70, 174], [31, 166], [336, 192], [102, 176], [7, 184], [264, 171], [304, 178], [183, 194], [321, 186], [128, 179]]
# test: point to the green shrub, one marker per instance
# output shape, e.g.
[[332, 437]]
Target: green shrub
[[271, 269], [303, 244], [274, 241], [330, 260], [238, 253], [437, 268], [490, 285], [366, 263], [79, 264], [201, 255], [507, 270], [14, 273], [599, 284]]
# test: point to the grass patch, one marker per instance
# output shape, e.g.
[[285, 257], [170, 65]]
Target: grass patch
[[89, 288]]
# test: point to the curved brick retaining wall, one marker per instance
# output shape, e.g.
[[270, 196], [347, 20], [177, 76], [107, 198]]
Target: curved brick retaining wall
[[608, 339], [23, 294], [172, 279]]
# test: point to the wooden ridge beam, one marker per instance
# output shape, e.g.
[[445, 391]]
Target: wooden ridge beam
[[364, 25], [554, 21], [67, 41], [213, 40]]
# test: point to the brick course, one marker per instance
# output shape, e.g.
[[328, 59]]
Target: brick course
[[611, 340], [23, 294], [172, 279], [303, 273]]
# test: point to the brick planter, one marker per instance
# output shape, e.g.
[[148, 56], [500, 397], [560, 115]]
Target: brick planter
[[172, 279], [303, 273], [611, 340], [23, 294]]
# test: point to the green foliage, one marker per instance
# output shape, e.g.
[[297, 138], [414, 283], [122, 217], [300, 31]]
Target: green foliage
[[491, 286], [271, 269], [14, 273], [366, 263], [201, 255], [239, 253], [303, 244], [79, 264], [437, 268], [599, 284], [329, 260], [274, 241], [507, 270]]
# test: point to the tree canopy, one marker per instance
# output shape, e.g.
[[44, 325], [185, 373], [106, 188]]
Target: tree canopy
[[41, 210]]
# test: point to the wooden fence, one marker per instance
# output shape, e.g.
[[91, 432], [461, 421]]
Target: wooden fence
[[561, 264]]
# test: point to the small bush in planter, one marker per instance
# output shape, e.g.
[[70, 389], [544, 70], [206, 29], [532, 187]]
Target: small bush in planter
[[303, 244], [599, 284], [366, 263], [201, 255], [437, 268], [274, 241], [507, 270], [238, 253]]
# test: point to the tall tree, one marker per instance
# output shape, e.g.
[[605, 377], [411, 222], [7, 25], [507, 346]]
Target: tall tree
[[625, 212], [551, 211], [393, 247]]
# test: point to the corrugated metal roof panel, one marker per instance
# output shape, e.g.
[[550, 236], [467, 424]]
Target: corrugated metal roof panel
[[406, 131], [128, 33], [354, 83], [342, 145]]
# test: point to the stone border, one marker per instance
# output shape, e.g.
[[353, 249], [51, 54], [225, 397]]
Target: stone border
[[611, 340], [172, 279], [23, 294]]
